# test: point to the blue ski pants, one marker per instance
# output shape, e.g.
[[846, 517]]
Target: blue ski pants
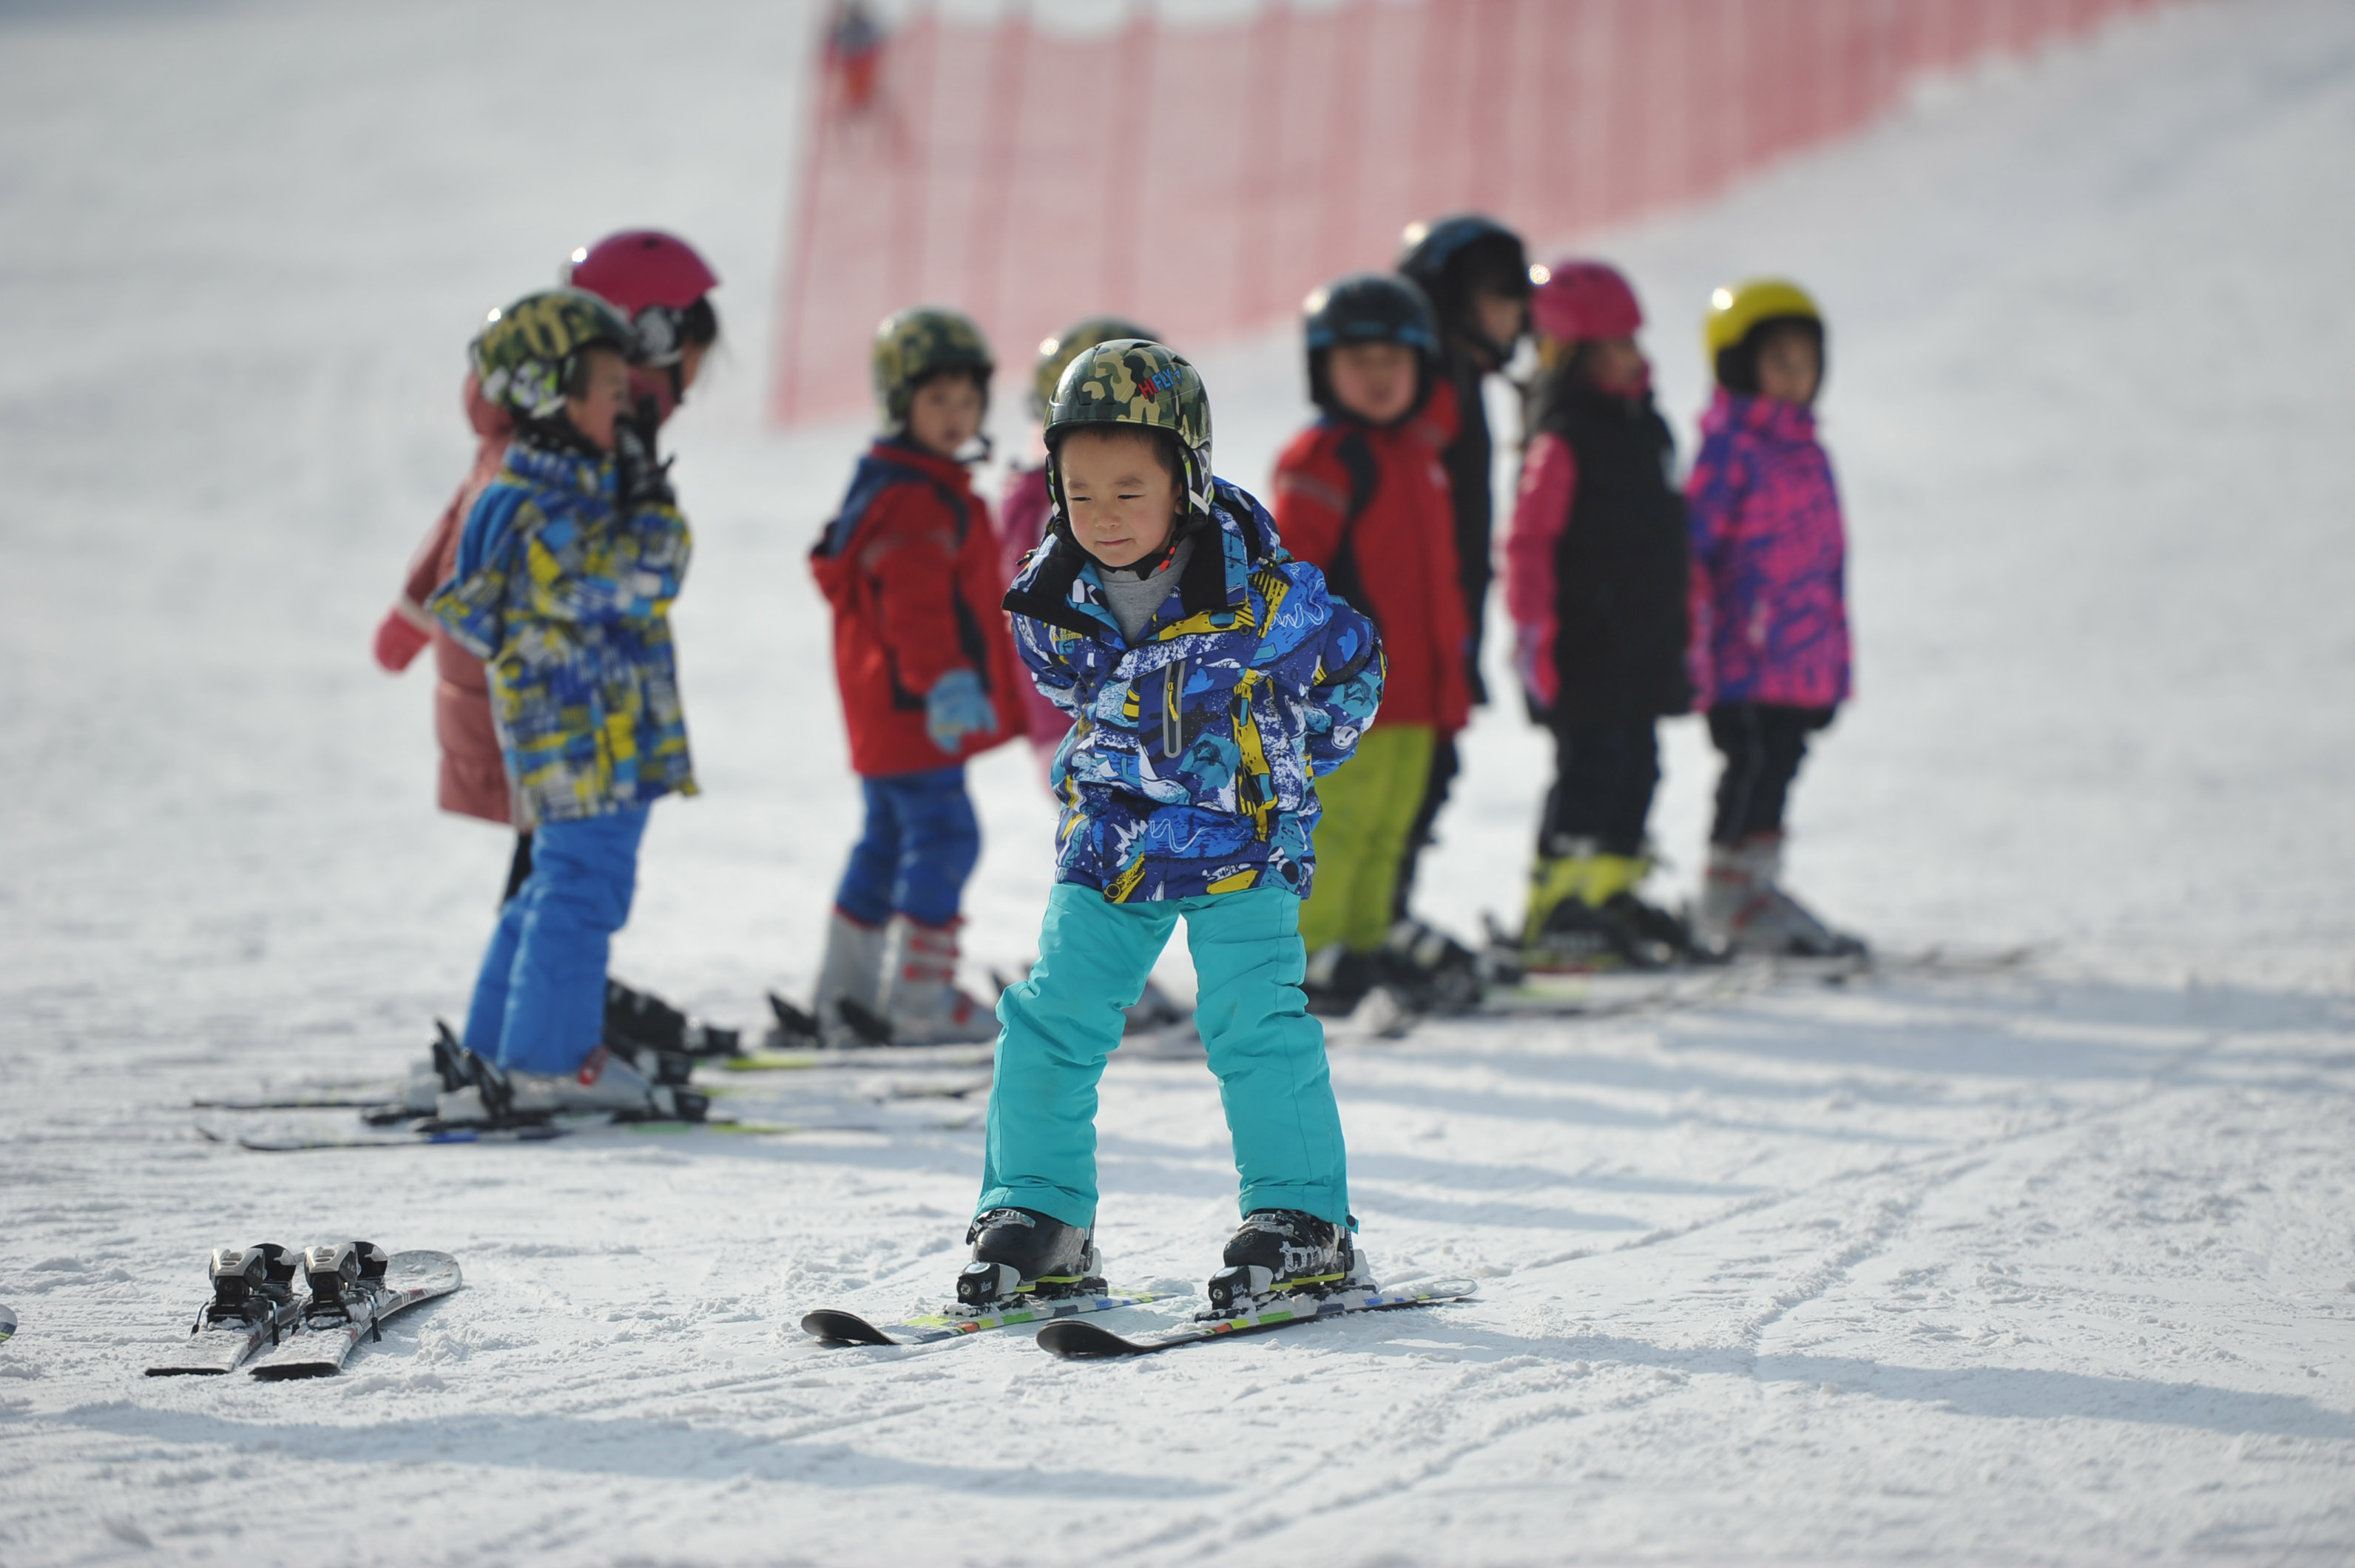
[[920, 845], [1058, 1028], [540, 1002]]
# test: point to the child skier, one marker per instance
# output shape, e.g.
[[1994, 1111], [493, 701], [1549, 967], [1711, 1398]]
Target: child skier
[[1595, 580], [1476, 272], [663, 285], [1770, 621], [1023, 510], [927, 674], [1361, 496], [1209, 680], [565, 576]]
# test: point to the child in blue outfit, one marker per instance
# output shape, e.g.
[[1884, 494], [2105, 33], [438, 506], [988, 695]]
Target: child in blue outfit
[[565, 576], [1209, 680]]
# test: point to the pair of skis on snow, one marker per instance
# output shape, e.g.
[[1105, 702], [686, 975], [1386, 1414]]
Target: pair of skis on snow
[[281, 1314], [1064, 1335]]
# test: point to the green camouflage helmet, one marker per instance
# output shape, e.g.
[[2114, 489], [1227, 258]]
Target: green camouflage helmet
[[526, 355], [913, 344], [1057, 352], [1129, 381]]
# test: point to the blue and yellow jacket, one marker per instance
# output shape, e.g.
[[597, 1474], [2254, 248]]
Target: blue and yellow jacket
[[1190, 766], [568, 602]]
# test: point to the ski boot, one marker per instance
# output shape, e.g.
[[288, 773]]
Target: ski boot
[[794, 1029], [1745, 911], [603, 1082], [1439, 974], [251, 1285], [443, 1071], [1583, 914], [921, 1002], [852, 973], [641, 1022], [1020, 1252], [1339, 979], [1279, 1250]]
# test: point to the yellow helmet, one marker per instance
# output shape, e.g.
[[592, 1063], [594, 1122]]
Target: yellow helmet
[[1734, 312]]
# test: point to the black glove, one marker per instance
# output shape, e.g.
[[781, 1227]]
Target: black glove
[[643, 481]]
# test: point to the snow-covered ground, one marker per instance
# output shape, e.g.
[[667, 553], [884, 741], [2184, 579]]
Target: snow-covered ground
[[2051, 1265]]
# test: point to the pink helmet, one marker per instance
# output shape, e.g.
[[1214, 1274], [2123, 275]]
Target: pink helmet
[[656, 279], [1579, 300]]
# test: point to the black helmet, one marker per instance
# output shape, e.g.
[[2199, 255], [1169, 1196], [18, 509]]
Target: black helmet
[[1368, 307], [1453, 258]]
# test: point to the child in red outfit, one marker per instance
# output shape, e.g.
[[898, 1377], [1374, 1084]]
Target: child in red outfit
[[1362, 496], [928, 677]]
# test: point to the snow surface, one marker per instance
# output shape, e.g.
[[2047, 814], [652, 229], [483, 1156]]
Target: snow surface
[[2049, 1265]]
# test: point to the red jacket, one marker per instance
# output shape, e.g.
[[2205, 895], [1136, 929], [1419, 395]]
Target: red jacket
[[474, 781], [911, 566], [1022, 513], [1372, 509]]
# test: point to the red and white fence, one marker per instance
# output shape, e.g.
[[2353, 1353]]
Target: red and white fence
[[1204, 178]]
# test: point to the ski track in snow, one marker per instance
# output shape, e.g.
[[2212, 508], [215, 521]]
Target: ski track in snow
[[2048, 1265]]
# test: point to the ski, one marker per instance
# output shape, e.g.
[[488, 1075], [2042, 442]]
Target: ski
[[323, 1100], [536, 1132], [1081, 1341], [849, 1328], [354, 1288], [894, 1056], [253, 1300]]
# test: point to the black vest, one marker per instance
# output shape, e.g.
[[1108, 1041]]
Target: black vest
[[1620, 562]]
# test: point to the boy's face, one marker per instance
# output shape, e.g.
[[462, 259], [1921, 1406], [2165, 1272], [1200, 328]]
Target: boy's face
[[1790, 366], [1501, 317], [1375, 381], [944, 415], [603, 398], [1117, 494], [1615, 365]]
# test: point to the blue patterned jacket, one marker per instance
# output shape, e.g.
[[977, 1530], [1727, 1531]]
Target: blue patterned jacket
[[1191, 762], [568, 604]]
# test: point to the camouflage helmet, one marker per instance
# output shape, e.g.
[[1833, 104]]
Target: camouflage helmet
[[922, 341], [1057, 352], [529, 353], [1129, 382]]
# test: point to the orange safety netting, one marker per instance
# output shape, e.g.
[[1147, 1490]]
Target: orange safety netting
[[1204, 178]]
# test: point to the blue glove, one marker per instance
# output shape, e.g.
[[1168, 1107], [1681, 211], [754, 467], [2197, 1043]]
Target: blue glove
[[958, 707]]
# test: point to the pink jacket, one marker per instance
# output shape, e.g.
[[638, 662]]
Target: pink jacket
[[1021, 524], [1769, 559], [474, 781]]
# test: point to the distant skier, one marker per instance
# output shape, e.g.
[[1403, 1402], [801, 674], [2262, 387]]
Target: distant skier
[[1361, 496], [1595, 580], [660, 282], [1210, 680], [1476, 272], [564, 579], [1770, 616], [927, 674]]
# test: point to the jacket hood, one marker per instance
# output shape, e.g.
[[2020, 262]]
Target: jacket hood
[[1061, 586], [1758, 415]]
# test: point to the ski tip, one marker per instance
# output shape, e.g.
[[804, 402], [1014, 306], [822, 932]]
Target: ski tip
[[1074, 1340], [7, 1323], [843, 1329]]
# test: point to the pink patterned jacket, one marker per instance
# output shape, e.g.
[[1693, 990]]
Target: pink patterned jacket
[[1769, 559]]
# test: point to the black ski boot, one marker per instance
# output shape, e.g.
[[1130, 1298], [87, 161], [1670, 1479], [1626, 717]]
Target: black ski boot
[[1442, 974], [1650, 923], [641, 1021], [1339, 979], [1020, 1252], [1281, 1250], [1579, 936]]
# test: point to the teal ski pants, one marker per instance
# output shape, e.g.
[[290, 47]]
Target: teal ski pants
[[1056, 1029]]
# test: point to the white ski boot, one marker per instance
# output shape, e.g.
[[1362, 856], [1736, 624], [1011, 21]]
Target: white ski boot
[[921, 1003], [853, 972], [605, 1083], [1744, 911]]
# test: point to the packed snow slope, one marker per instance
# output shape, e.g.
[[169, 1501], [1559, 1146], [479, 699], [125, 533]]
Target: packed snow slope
[[2045, 1265]]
